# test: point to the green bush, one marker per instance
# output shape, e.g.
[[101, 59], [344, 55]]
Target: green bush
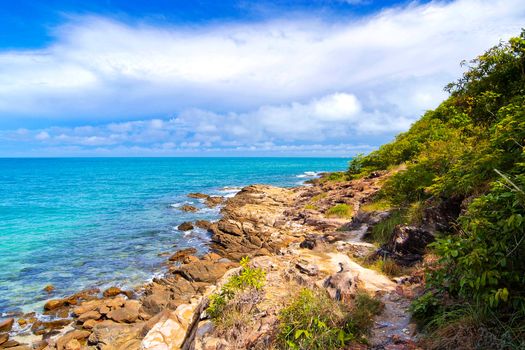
[[382, 231], [315, 321], [246, 280]]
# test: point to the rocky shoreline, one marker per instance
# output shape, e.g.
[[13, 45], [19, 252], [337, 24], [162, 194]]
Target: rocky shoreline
[[286, 232]]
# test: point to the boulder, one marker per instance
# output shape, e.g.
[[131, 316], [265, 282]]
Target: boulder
[[55, 304], [181, 254], [108, 335], [198, 195], [90, 315], [204, 270], [7, 324], [407, 245], [307, 269], [126, 314], [203, 224], [89, 324], [185, 226], [4, 337], [189, 208], [49, 288], [68, 337], [341, 285], [213, 201], [111, 292]]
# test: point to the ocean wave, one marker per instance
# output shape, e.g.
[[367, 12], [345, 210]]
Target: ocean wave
[[309, 174], [230, 191]]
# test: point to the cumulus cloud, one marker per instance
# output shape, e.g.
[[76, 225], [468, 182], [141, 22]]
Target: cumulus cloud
[[299, 79]]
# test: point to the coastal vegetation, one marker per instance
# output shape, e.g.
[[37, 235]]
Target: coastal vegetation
[[313, 320], [470, 151]]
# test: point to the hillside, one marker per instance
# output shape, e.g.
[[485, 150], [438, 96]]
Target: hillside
[[467, 159]]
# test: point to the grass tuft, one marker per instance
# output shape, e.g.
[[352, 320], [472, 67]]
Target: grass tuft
[[340, 211]]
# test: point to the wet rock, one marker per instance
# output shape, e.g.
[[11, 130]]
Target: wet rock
[[198, 195], [181, 254], [185, 226], [41, 327], [49, 288], [213, 201], [189, 208], [112, 292], [7, 324], [126, 314], [54, 304], [203, 224]]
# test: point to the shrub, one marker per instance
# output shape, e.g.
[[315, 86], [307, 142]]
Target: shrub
[[340, 210], [315, 321], [247, 280], [337, 176], [382, 231]]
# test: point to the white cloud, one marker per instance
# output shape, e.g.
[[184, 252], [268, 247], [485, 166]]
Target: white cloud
[[284, 79]]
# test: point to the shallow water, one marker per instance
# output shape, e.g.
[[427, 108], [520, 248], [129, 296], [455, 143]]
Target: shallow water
[[77, 222]]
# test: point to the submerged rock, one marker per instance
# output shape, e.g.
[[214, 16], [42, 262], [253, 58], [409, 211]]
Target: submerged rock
[[182, 254], [189, 208]]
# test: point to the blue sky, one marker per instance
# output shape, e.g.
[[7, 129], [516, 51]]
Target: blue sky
[[234, 78]]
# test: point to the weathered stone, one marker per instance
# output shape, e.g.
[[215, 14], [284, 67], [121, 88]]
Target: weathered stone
[[90, 315], [198, 195], [204, 271], [188, 208], [108, 335], [183, 253], [128, 313], [4, 337], [306, 268], [185, 226], [66, 338], [7, 324], [170, 332], [341, 285], [9, 344], [213, 201], [407, 245], [89, 324], [203, 224], [112, 292], [49, 288], [54, 304], [88, 306], [73, 345]]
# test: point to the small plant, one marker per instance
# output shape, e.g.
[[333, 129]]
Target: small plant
[[387, 266], [376, 205], [382, 231], [248, 279], [315, 321], [340, 211], [310, 206]]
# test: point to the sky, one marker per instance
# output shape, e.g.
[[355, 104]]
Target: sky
[[231, 78]]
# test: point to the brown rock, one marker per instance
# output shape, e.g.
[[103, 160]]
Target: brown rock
[[111, 292], [49, 288], [88, 306], [203, 224], [21, 347], [10, 344], [55, 304], [185, 226], [190, 259], [128, 313], [73, 344], [89, 324], [189, 208], [198, 195], [204, 271], [4, 337], [6, 325], [22, 322], [76, 334], [116, 336], [181, 254], [40, 327], [213, 201], [90, 315]]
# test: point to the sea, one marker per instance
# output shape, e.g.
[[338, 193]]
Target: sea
[[77, 223]]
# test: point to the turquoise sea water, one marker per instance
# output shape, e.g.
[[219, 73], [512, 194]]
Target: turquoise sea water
[[78, 223]]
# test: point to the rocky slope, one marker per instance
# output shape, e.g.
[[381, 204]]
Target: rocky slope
[[285, 231]]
